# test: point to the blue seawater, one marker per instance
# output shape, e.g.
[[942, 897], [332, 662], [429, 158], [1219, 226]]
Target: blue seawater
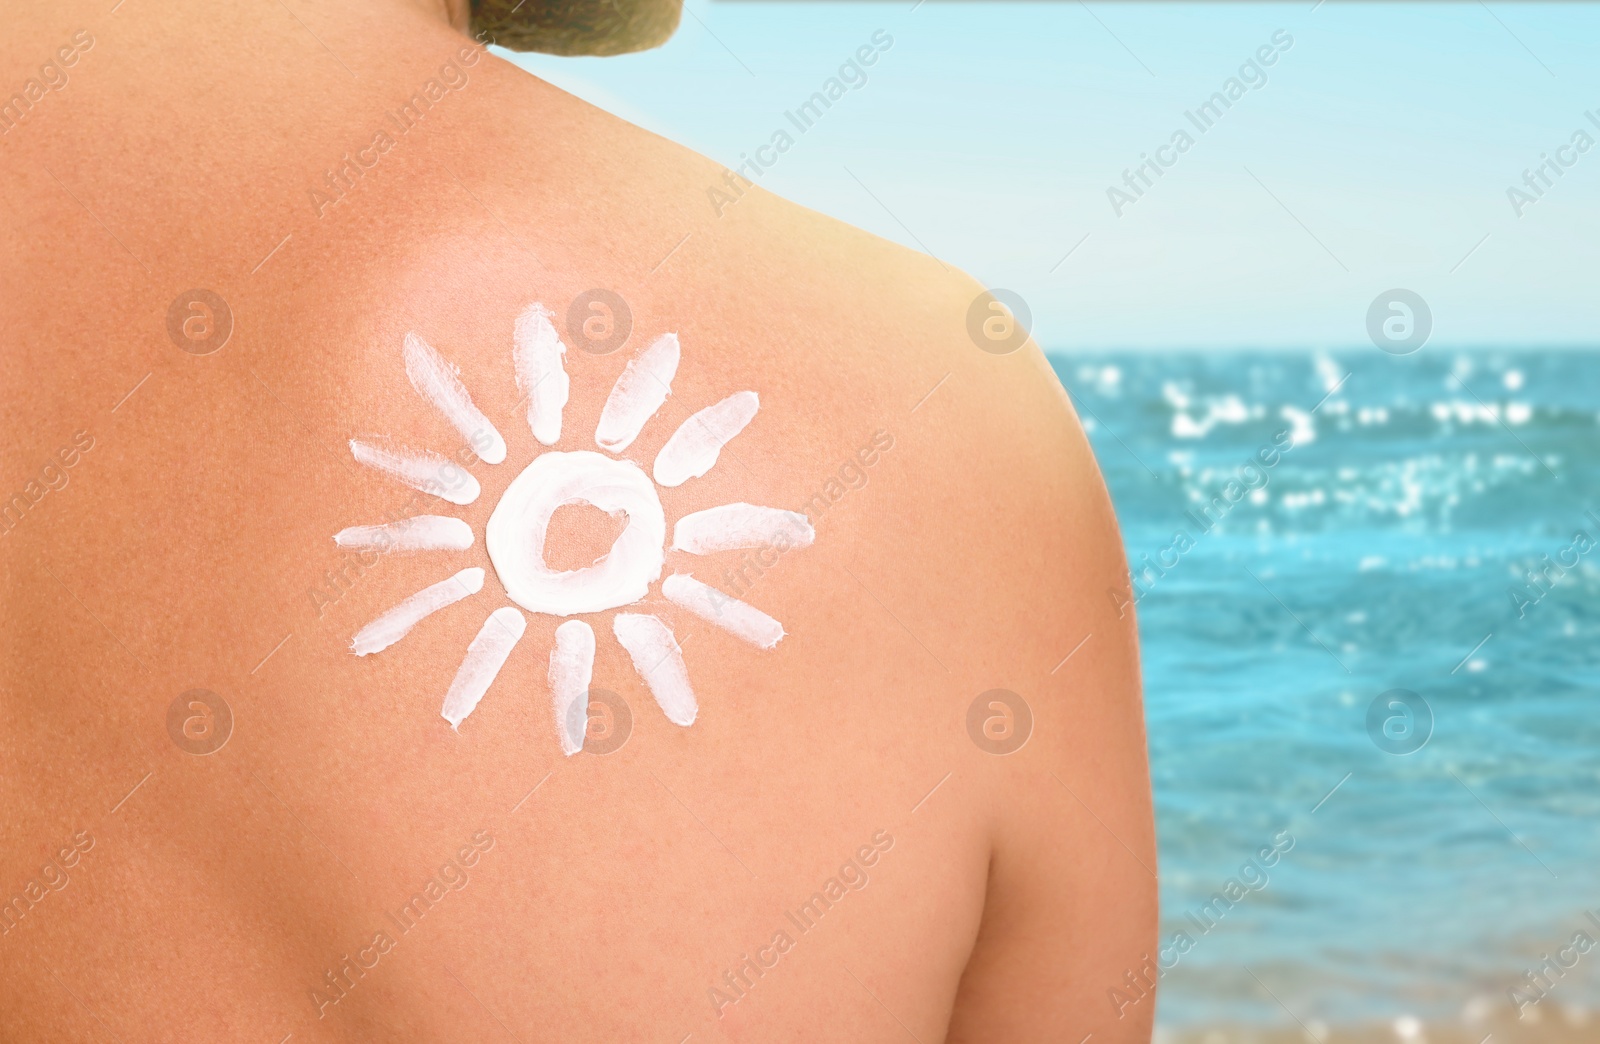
[[1399, 544]]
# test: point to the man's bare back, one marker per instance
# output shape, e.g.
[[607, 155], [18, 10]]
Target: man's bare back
[[843, 845]]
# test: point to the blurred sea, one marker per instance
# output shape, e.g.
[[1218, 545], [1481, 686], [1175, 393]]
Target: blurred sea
[[1379, 554]]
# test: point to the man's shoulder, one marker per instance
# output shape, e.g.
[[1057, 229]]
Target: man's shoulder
[[900, 398]]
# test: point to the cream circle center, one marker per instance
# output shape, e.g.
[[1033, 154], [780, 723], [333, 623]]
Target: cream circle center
[[520, 522]]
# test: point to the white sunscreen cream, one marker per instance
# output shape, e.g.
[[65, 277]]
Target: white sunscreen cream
[[571, 670], [485, 656], [739, 619], [418, 533], [644, 385], [397, 622], [429, 472], [518, 528], [655, 656], [732, 527], [515, 535], [694, 447], [536, 354], [436, 380]]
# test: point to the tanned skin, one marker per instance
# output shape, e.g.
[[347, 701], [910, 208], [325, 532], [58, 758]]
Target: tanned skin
[[964, 543]]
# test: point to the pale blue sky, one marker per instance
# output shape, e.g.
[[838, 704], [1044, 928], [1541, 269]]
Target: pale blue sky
[[1377, 155]]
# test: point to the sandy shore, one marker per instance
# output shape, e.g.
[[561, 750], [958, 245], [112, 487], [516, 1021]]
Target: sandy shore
[[1556, 1025]]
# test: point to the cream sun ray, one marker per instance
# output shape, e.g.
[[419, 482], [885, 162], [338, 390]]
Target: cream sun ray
[[436, 380], [732, 527], [571, 670], [479, 668], [397, 622], [418, 533], [694, 447], [656, 657], [537, 352], [739, 619], [644, 385], [425, 471]]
